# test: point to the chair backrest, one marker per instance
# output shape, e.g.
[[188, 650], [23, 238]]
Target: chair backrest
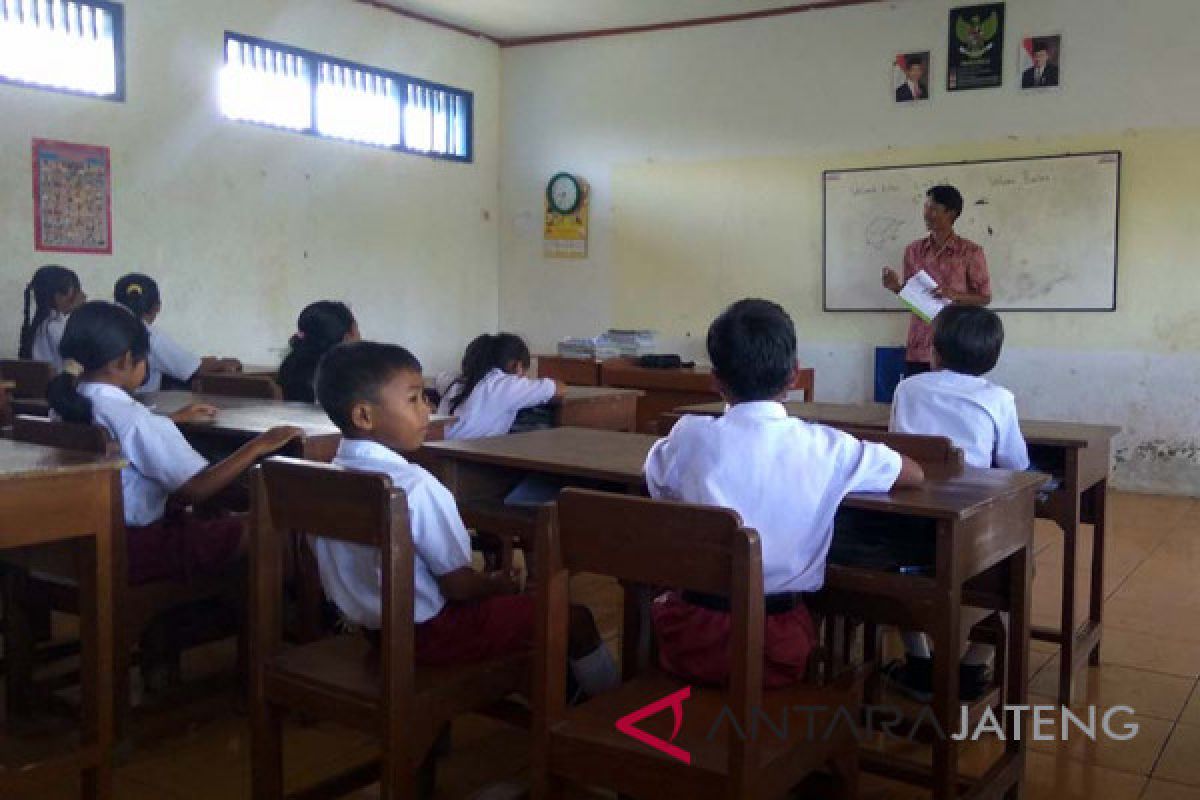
[[295, 497], [31, 377], [928, 451], [64, 435], [651, 543], [258, 387], [666, 421]]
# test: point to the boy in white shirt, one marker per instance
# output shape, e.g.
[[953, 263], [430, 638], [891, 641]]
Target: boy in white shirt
[[784, 476], [375, 394], [956, 401]]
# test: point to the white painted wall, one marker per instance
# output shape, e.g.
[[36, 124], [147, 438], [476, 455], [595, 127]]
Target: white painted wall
[[243, 225], [729, 111]]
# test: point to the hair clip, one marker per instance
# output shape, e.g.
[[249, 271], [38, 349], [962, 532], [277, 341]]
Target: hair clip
[[133, 288], [72, 367]]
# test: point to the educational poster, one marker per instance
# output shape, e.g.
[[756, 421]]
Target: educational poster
[[72, 197], [910, 77], [976, 53], [566, 235], [1040, 61]]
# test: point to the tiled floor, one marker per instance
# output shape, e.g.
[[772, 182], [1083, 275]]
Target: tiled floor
[[1150, 663]]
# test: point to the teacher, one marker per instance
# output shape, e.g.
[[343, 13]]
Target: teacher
[[956, 264]]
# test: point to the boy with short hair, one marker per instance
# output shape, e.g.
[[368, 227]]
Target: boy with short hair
[[784, 476]]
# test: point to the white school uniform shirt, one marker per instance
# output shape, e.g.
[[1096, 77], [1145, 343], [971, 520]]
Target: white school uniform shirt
[[784, 476], [46, 340], [160, 459], [974, 413], [167, 357], [351, 574], [491, 409]]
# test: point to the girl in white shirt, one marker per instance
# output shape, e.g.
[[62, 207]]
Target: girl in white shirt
[[493, 387], [139, 293], [54, 292], [104, 352]]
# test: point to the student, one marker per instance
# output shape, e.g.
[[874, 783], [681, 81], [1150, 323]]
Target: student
[[321, 326], [55, 292], [139, 293], [957, 402], [104, 351], [493, 387], [375, 394], [784, 476]]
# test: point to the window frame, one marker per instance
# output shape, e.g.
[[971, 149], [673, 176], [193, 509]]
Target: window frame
[[402, 80], [117, 10]]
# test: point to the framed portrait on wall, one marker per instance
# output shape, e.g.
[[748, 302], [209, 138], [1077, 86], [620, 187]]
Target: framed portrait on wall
[[910, 77], [1040, 61]]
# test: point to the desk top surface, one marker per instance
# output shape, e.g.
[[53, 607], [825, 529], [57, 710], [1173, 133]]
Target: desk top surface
[[19, 460], [597, 394], [877, 415], [250, 415], [619, 457]]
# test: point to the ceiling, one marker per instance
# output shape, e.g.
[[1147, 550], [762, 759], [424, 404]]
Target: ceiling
[[519, 19]]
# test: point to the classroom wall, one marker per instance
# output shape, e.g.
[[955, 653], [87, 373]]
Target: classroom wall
[[740, 119], [243, 225]]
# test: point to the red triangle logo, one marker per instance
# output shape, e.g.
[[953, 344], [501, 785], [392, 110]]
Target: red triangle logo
[[674, 701]]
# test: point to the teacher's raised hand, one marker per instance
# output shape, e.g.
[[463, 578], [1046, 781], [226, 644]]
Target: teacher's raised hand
[[891, 281]]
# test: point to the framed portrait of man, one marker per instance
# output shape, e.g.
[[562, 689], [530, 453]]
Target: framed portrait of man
[[910, 77], [1040, 61]]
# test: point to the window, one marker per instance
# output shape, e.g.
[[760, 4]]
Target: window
[[285, 87], [67, 45]]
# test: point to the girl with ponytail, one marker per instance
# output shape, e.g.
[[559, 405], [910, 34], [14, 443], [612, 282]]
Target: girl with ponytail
[[493, 387], [139, 293], [321, 327], [54, 292], [104, 351]]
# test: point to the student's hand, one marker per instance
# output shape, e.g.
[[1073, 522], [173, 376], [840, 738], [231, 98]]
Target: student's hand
[[505, 581], [276, 438], [891, 280], [195, 412]]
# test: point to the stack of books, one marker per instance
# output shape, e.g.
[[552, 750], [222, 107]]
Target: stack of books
[[595, 347], [633, 343]]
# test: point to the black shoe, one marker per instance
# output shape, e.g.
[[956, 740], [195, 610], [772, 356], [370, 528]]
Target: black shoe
[[974, 680], [912, 677]]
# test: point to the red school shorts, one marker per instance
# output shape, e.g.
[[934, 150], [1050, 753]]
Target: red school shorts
[[693, 642], [180, 545], [469, 632]]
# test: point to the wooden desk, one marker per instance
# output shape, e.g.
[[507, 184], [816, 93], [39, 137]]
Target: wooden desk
[[240, 419], [983, 522], [571, 371], [34, 481], [1078, 454], [597, 407], [668, 389], [260, 370], [663, 389]]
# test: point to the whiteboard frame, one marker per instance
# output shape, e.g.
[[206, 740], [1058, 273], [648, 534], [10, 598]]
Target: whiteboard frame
[[900, 309]]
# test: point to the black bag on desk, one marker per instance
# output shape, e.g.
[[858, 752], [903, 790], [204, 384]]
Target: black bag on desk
[[535, 418], [663, 362]]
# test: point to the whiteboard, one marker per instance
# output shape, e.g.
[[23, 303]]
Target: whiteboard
[[1047, 225]]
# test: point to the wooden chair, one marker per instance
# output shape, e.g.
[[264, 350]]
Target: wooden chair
[[648, 543], [134, 607], [31, 377], [342, 677], [258, 387]]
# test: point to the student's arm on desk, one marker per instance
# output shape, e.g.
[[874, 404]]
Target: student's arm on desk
[[911, 474], [465, 585], [211, 480]]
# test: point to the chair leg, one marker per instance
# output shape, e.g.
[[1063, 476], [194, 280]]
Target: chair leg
[[266, 752], [18, 644], [845, 774]]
